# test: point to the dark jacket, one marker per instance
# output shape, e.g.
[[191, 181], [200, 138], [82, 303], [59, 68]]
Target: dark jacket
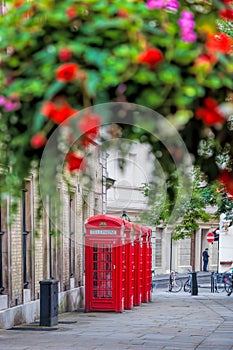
[[205, 255]]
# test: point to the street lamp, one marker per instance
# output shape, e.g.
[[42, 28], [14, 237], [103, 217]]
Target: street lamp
[[109, 182], [225, 225], [125, 216]]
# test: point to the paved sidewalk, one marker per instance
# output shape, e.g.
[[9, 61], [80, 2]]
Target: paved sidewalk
[[172, 321]]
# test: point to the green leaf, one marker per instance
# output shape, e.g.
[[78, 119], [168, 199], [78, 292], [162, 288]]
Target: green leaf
[[213, 81], [93, 82], [53, 89], [169, 74], [150, 98], [38, 121]]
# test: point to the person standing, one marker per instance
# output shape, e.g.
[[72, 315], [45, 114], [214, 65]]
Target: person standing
[[205, 259]]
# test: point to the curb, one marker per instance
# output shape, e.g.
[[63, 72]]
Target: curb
[[158, 278]]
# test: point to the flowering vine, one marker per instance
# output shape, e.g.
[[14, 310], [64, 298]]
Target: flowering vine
[[58, 58], [187, 24], [210, 113]]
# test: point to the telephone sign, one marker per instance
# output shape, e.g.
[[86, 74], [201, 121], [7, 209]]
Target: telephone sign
[[103, 232]]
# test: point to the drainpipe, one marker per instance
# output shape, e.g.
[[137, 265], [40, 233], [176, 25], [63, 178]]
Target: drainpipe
[[1, 271], [70, 237], [50, 240], [25, 232]]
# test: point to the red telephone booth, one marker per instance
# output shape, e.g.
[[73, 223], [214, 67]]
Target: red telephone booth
[[129, 267], [145, 264], [137, 265], [104, 264]]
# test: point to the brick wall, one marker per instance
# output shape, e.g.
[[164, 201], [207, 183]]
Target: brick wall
[[40, 246]]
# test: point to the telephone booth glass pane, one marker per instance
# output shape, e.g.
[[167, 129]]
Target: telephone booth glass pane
[[102, 271]]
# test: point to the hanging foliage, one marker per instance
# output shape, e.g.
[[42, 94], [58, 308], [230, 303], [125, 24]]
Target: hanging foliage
[[60, 57]]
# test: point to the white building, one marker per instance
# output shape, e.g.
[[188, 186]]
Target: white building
[[126, 194]]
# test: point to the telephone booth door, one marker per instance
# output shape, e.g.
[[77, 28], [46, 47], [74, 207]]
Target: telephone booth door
[[145, 265], [129, 267], [137, 265], [104, 263], [149, 283]]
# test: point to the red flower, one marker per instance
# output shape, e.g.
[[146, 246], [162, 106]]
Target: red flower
[[90, 123], [209, 113], [89, 126], [28, 14], [67, 72], [224, 176], [63, 113], [18, 3], [75, 162], [65, 54], [152, 57], [122, 13], [71, 12], [38, 140], [226, 14], [226, 179], [220, 42], [87, 139], [57, 115], [204, 63], [210, 103], [48, 109]]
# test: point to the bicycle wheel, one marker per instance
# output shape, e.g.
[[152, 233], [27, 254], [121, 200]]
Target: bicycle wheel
[[176, 286], [220, 287], [187, 286], [228, 288]]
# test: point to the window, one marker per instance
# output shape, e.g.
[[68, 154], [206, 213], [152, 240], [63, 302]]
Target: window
[[184, 252], [158, 252], [102, 271], [158, 247]]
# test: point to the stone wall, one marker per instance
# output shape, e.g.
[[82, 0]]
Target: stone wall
[[30, 312]]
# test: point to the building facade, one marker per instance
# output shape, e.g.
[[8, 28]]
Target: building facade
[[34, 248]]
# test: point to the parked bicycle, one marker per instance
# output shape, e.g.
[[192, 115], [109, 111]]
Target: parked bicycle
[[187, 284], [223, 283], [219, 284], [227, 278], [175, 284]]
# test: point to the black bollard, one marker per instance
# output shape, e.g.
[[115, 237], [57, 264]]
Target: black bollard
[[212, 285], [48, 302], [194, 287]]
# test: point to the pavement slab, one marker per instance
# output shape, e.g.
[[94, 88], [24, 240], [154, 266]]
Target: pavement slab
[[172, 321]]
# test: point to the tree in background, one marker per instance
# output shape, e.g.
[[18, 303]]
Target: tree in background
[[192, 212], [60, 57]]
